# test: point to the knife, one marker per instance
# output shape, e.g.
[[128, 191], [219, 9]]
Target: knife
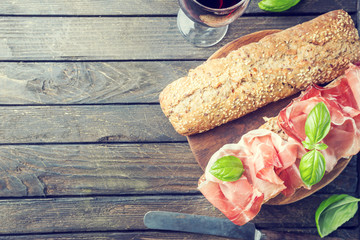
[[200, 224], [223, 227]]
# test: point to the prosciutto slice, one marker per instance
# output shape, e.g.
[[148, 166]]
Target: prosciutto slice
[[343, 103], [268, 160], [272, 164]]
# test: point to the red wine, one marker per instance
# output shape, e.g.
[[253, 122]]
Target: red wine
[[218, 3], [213, 13]]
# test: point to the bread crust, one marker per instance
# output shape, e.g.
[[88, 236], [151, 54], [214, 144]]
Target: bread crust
[[279, 65]]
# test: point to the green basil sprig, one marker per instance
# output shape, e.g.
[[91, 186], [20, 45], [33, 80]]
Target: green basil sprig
[[312, 167], [334, 212], [228, 169], [277, 5], [317, 126]]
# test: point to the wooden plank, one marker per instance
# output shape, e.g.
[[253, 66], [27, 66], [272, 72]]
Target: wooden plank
[[116, 169], [126, 38], [152, 235], [339, 234], [87, 82], [88, 7], [137, 7], [78, 170], [99, 123], [88, 214], [127, 235], [20, 216]]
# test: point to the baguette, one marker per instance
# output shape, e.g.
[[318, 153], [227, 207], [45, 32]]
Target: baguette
[[279, 65]]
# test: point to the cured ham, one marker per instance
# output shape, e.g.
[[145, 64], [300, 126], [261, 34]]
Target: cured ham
[[268, 160], [239, 206], [272, 164], [342, 100]]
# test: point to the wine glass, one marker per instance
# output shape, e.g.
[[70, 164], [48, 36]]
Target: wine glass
[[205, 22]]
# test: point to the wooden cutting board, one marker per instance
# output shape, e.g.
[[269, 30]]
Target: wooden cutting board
[[204, 145]]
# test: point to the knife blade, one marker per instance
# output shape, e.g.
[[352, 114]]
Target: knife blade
[[223, 227], [162, 220]]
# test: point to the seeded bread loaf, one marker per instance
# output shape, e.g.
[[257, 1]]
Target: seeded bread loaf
[[279, 65]]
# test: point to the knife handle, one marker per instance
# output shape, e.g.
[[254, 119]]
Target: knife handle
[[223, 227]]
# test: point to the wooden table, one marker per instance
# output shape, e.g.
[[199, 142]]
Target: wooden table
[[85, 150]]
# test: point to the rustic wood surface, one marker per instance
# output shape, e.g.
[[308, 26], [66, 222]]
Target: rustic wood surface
[[131, 7], [85, 150], [115, 38]]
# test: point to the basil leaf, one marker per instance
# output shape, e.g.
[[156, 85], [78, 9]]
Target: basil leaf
[[228, 169], [308, 146], [318, 122], [321, 146], [311, 146], [334, 212], [277, 5], [312, 167]]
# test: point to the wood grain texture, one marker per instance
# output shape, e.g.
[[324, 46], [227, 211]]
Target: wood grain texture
[[90, 214], [78, 170], [116, 169], [79, 190], [125, 38], [20, 216], [99, 123], [340, 234], [137, 7], [126, 235], [87, 82]]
